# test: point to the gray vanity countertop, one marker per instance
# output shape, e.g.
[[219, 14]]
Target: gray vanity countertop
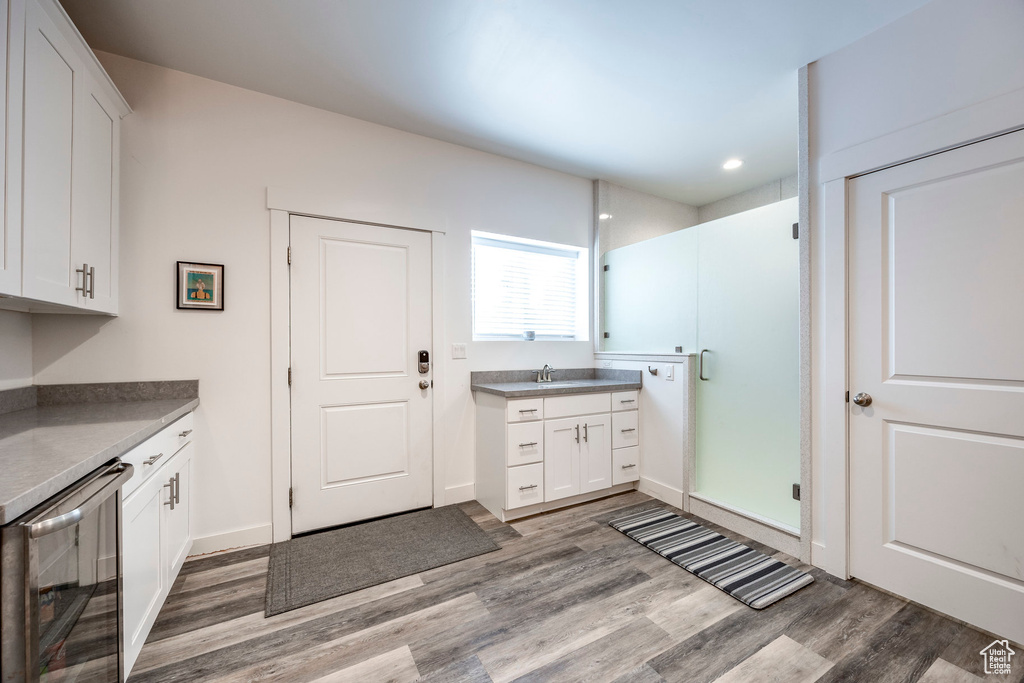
[[44, 450], [579, 386]]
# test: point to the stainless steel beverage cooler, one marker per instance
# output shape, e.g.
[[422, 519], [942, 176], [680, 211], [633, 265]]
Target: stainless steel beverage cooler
[[60, 585]]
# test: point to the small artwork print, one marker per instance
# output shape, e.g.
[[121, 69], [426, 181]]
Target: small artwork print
[[200, 286]]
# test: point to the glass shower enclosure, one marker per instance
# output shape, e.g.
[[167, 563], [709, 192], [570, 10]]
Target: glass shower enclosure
[[728, 291]]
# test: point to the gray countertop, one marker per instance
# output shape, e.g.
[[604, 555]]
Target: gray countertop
[[45, 449], [576, 386], [523, 384]]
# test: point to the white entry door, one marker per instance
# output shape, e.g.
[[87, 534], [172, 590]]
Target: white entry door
[[361, 423], [937, 341]]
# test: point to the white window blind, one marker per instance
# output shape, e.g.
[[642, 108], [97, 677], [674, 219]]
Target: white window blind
[[519, 286]]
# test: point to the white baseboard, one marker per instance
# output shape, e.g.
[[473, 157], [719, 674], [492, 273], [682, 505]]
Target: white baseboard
[[663, 492], [239, 538], [459, 494], [741, 524]]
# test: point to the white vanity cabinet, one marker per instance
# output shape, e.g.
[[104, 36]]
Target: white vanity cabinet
[[540, 453], [61, 167], [157, 527]]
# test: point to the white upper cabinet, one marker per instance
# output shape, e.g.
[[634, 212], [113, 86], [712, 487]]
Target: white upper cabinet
[[10, 231], [67, 183]]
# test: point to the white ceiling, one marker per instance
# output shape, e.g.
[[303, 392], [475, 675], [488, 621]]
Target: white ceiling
[[651, 94]]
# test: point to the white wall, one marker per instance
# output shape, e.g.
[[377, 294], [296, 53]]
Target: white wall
[[637, 216], [15, 350], [934, 62], [197, 157]]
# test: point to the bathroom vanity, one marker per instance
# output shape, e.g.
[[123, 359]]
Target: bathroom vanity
[[542, 446]]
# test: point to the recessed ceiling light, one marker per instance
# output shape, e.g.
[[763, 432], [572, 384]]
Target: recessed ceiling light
[[605, 216], [732, 163]]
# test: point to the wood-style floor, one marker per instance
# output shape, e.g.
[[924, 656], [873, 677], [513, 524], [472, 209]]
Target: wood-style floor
[[567, 598]]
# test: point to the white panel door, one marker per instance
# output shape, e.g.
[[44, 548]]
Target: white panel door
[[561, 458], [143, 572], [596, 453], [10, 232], [50, 81], [361, 424], [936, 330]]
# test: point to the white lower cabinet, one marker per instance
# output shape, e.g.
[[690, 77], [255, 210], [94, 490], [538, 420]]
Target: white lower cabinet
[[157, 537], [541, 453]]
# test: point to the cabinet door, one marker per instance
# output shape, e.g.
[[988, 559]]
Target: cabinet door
[[10, 224], [93, 238], [561, 458], [144, 576], [50, 74], [178, 522], [596, 453]]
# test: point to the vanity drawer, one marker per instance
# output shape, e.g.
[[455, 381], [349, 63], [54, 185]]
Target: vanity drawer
[[625, 400], [525, 485], [577, 404], [525, 443], [625, 465], [624, 429], [525, 409], [152, 453]]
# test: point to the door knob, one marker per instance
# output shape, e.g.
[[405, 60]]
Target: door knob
[[862, 399], [424, 384]]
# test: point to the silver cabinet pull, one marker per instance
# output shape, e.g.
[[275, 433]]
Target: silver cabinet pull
[[170, 497], [185, 433], [528, 410], [577, 433], [92, 283], [626, 467], [700, 368], [527, 488], [628, 400], [84, 270], [177, 487], [631, 429], [527, 445], [584, 433], [152, 459]]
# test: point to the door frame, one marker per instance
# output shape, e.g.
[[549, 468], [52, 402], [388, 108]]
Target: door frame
[[282, 204], [830, 230]]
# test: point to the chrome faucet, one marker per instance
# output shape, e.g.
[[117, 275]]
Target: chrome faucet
[[544, 375]]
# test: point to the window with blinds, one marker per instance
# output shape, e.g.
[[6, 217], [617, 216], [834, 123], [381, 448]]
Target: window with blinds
[[522, 286]]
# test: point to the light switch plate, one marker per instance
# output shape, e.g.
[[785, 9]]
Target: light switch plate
[[458, 351], [670, 373]]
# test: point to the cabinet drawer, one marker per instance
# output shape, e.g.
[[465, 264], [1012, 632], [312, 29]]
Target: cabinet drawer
[[625, 400], [625, 432], [625, 465], [525, 443], [525, 485], [160, 446], [577, 404], [525, 409]]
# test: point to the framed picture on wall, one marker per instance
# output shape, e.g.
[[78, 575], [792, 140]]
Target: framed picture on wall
[[200, 286]]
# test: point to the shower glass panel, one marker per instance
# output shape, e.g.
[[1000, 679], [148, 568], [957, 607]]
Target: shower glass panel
[[649, 295], [747, 431]]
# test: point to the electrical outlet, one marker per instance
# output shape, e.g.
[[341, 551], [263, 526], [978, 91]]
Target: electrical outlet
[[458, 351], [606, 364]]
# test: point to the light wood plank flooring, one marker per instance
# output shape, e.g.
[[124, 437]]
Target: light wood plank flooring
[[567, 598]]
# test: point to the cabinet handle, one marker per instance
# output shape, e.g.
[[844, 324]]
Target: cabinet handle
[[577, 433], [631, 429], [527, 445], [84, 270], [527, 488], [185, 433], [92, 283], [177, 488], [584, 433], [170, 498], [626, 467], [628, 400], [152, 459], [528, 410]]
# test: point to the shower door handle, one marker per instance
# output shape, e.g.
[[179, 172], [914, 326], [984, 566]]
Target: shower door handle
[[700, 367]]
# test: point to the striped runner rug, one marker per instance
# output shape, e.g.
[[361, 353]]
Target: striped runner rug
[[749, 576]]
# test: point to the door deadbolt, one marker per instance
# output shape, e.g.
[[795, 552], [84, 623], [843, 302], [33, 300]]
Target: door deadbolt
[[424, 363]]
